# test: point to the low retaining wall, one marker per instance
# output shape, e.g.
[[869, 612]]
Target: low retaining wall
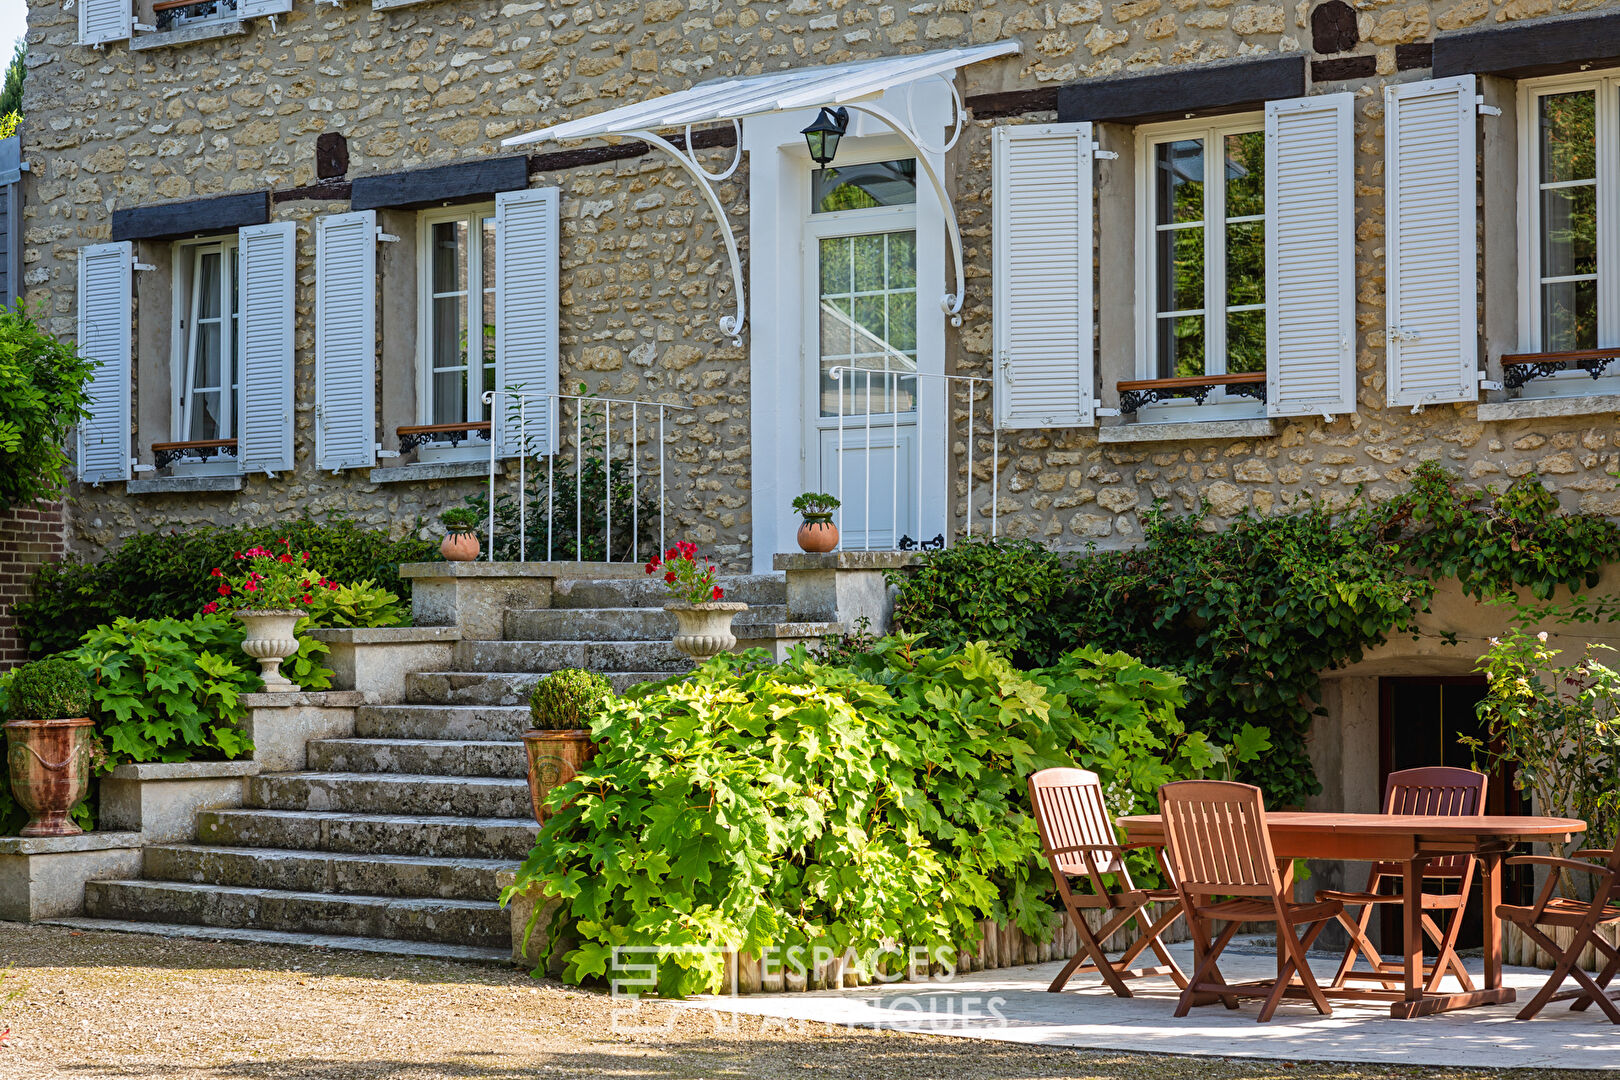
[[1520, 951]]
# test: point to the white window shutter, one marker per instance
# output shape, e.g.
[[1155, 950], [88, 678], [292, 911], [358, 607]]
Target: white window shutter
[[248, 9], [101, 21], [1310, 256], [265, 353], [346, 340], [1041, 195], [104, 317], [526, 299], [1430, 247]]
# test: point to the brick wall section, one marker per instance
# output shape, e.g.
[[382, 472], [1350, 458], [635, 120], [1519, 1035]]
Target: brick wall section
[[29, 536]]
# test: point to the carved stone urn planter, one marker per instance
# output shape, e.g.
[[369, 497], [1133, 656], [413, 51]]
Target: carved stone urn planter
[[270, 640], [50, 771], [555, 757], [704, 630]]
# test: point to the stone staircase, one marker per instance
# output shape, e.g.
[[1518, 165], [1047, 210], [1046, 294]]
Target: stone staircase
[[392, 838]]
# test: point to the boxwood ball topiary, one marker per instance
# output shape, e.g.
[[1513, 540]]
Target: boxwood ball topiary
[[570, 699], [49, 690]]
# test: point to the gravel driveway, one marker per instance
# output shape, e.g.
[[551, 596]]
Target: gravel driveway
[[125, 1006]]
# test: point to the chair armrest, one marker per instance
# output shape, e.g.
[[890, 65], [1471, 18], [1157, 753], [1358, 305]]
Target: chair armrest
[[1557, 863], [1592, 853]]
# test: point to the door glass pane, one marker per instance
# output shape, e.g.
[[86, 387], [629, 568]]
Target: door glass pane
[[868, 323], [861, 187]]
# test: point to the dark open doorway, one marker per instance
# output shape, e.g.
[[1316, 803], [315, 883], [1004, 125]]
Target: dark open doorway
[[1420, 722]]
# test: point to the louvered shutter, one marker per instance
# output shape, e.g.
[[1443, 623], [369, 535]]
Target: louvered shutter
[[104, 317], [248, 9], [346, 340], [1310, 257], [526, 297], [101, 21], [1041, 231], [1430, 246], [265, 350]]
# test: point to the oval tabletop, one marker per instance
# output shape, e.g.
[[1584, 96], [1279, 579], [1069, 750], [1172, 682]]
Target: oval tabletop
[[1379, 836]]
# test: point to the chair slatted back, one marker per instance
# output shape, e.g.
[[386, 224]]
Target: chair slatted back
[[1217, 838], [1071, 814], [1435, 791]]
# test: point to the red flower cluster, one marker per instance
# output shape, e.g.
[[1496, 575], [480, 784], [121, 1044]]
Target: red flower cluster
[[682, 574], [274, 581]]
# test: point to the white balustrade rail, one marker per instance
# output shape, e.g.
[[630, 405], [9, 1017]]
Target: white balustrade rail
[[851, 381], [523, 408]]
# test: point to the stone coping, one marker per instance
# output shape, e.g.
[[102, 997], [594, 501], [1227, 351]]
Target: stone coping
[[388, 635], [54, 845], [332, 699], [846, 560], [1535, 408], [591, 571], [1187, 431], [186, 770], [422, 472]]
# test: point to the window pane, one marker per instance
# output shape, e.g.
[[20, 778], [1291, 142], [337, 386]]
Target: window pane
[[1568, 136], [1246, 174], [450, 396], [208, 271], [450, 256], [861, 187], [1180, 187], [204, 419], [489, 307], [1181, 346], [1246, 263], [1569, 231], [1569, 316], [1245, 341], [1180, 266], [206, 364]]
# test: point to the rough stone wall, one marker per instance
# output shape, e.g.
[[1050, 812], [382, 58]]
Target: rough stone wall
[[29, 536], [643, 269]]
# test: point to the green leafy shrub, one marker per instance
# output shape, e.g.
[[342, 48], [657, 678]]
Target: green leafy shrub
[[166, 574], [883, 799], [362, 604], [54, 689], [1005, 591], [569, 699], [42, 395]]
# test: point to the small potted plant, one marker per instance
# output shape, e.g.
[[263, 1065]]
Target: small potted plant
[[702, 615], [460, 542], [559, 744], [275, 589], [817, 533], [49, 742]]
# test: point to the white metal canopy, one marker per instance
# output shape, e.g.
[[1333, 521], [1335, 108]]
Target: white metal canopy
[[855, 85]]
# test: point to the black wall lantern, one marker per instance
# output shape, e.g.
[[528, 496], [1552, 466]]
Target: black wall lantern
[[823, 134]]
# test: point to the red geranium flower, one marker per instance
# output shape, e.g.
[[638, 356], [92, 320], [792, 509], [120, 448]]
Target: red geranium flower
[[251, 587], [210, 607], [286, 558], [718, 591], [306, 556], [224, 590], [215, 572], [308, 598], [669, 578]]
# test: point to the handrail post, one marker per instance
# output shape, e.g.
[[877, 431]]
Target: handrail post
[[607, 478], [635, 488], [970, 403], [494, 439], [523, 495]]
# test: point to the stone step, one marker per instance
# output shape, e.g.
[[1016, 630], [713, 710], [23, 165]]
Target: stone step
[[623, 624], [494, 724], [387, 946], [451, 922], [385, 793], [438, 836], [648, 592], [419, 757], [496, 687], [325, 871], [548, 656]]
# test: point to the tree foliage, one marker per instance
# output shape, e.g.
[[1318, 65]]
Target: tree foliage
[[42, 395], [11, 89]]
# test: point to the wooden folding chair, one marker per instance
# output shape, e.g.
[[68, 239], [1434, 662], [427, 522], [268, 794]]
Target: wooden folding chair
[[1435, 791], [1582, 918], [1224, 867], [1078, 838]]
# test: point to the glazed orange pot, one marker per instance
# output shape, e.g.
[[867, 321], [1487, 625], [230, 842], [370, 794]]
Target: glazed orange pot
[[818, 536], [460, 547], [50, 771], [554, 758]]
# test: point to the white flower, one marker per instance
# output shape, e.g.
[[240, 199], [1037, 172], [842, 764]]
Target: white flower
[[1542, 637]]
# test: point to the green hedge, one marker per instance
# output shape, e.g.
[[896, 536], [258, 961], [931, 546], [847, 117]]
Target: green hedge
[[841, 805], [165, 574]]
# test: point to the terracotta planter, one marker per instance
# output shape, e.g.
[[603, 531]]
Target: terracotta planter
[[459, 547], [704, 630], [818, 535], [554, 758], [50, 771], [270, 640]]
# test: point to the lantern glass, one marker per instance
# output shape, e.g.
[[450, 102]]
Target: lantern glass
[[823, 134]]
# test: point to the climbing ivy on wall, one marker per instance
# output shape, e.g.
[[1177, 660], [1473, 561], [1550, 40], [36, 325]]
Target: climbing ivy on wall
[[1253, 613]]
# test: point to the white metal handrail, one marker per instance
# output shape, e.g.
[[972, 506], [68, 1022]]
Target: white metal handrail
[[517, 404], [891, 384]]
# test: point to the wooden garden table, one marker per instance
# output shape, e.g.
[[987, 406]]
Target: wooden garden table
[[1412, 841]]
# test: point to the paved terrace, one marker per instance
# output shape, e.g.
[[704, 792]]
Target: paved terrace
[[1087, 1016]]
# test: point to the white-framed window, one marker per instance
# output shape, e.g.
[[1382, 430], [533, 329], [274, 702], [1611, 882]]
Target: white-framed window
[[1569, 244], [1201, 255], [206, 336], [456, 336]]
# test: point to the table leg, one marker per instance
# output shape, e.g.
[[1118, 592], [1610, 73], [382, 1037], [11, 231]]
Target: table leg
[[1285, 873], [1416, 1002], [1412, 910], [1490, 870]]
